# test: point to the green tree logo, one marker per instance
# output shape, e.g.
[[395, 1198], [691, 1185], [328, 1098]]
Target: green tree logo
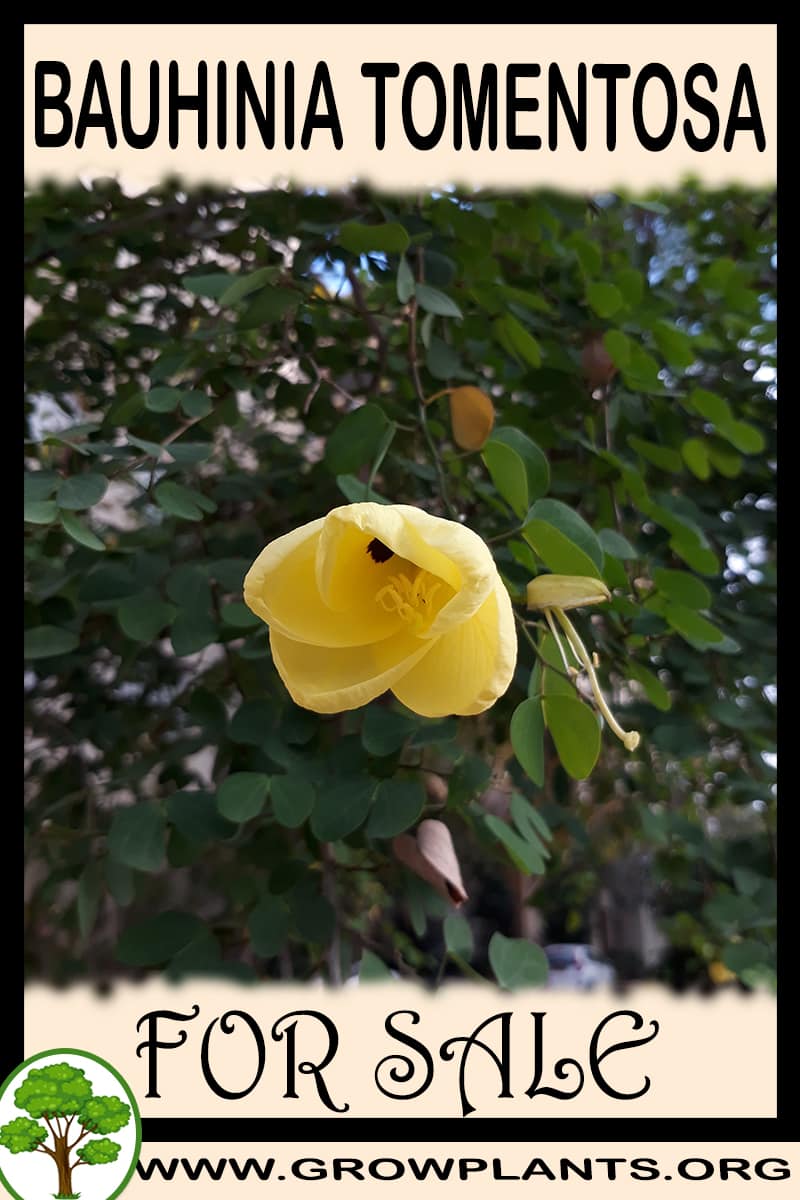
[[67, 1122]]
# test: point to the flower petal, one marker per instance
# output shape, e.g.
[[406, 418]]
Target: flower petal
[[444, 548], [334, 679], [469, 667], [281, 589]]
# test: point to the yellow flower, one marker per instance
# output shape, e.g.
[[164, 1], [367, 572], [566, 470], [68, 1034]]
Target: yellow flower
[[553, 594], [385, 596]]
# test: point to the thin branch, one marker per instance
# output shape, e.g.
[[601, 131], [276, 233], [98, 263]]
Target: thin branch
[[331, 893], [372, 325], [86, 1132], [369, 943], [503, 537], [142, 459]]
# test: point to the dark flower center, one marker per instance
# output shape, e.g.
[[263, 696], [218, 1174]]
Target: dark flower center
[[378, 552]]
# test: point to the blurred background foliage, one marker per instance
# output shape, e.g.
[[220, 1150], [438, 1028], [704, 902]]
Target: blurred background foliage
[[206, 371]]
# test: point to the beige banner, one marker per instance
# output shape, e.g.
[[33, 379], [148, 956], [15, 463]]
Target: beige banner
[[477, 1169], [529, 104], [712, 1057]]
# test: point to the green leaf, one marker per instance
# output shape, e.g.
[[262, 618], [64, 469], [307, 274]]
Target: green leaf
[[654, 689], [405, 281], [268, 926], [691, 626], [398, 805], [355, 490], [537, 468], [458, 936], [695, 455], [211, 286], [614, 543], [696, 556], [252, 722], [162, 399], [553, 683], [157, 939], [81, 491], [40, 512], [184, 502], [142, 617], [523, 343], [587, 252], [682, 587], [243, 795], [136, 837], [744, 437], [196, 404], [191, 632], [618, 347], [436, 302], [237, 614], [311, 913], [529, 821], [372, 969], [743, 956], [341, 809], [358, 238], [195, 815], [710, 406], [517, 963], [527, 739], [40, 485], [355, 440], [270, 305], [152, 449], [642, 372], [46, 641], [80, 532], [292, 800], [443, 362], [576, 732], [384, 731], [563, 540], [675, 345], [525, 855], [243, 285], [631, 283], [663, 457], [604, 298], [508, 473], [726, 461]]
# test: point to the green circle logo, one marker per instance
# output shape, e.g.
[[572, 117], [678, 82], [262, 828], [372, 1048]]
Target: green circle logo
[[56, 1112]]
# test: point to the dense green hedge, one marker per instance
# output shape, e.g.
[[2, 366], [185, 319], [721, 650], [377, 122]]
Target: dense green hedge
[[196, 372]]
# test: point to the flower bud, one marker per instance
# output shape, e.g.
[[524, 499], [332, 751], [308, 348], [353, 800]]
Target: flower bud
[[566, 591]]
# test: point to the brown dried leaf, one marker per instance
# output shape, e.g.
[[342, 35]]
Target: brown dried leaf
[[432, 856]]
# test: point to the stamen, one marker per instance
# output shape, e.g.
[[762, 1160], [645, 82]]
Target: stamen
[[629, 740], [405, 596]]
